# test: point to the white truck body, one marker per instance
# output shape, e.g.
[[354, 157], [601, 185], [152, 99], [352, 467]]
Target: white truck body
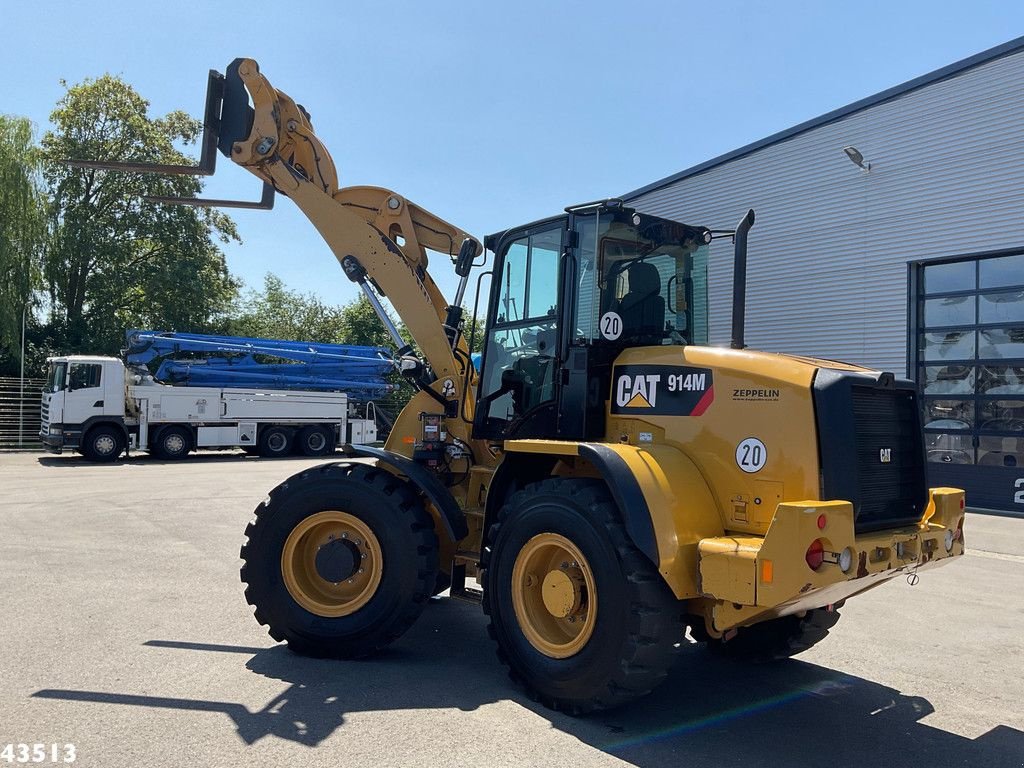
[[84, 393]]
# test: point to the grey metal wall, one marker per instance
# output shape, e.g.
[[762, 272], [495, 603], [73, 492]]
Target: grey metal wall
[[827, 272]]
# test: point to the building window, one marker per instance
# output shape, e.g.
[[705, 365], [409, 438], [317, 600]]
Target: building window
[[970, 360]]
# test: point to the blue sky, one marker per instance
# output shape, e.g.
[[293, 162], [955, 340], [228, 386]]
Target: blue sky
[[493, 114]]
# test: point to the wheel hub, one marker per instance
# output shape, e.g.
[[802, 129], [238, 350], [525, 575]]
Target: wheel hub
[[561, 593], [332, 564], [554, 595], [336, 560]]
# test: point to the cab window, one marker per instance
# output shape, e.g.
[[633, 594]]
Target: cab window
[[84, 376], [521, 346]]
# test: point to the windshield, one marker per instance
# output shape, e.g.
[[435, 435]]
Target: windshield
[[56, 377], [641, 285]]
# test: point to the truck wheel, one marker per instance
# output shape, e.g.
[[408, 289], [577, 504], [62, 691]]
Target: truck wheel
[[314, 440], [103, 443], [581, 618], [275, 442], [339, 561], [172, 443], [777, 639]]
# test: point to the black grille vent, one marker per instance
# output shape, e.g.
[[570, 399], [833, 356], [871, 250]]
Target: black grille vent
[[871, 447], [890, 461]]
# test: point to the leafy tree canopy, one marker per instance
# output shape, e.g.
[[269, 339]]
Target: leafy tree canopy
[[22, 232], [115, 260]]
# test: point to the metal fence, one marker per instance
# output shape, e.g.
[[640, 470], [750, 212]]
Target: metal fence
[[19, 414]]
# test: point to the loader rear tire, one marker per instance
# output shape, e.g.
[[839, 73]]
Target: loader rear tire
[[777, 639], [340, 560], [581, 618]]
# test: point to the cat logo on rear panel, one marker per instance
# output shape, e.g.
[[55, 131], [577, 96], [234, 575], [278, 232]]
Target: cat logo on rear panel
[[667, 390]]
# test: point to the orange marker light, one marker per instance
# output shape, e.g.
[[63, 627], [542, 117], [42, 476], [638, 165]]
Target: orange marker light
[[767, 571], [408, 440]]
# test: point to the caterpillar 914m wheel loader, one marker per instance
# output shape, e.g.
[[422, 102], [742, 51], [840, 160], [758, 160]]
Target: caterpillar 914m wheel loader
[[608, 479]]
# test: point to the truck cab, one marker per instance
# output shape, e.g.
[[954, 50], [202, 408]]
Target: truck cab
[[81, 391]]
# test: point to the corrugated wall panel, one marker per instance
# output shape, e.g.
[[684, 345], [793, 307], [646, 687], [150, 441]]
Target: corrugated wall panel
[[828, 256]]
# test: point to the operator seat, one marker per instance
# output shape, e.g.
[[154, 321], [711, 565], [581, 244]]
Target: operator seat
[[642, 309]]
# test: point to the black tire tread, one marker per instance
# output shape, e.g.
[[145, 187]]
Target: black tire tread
[[657, 624], [420, 524], [777, 639], [92, 455]]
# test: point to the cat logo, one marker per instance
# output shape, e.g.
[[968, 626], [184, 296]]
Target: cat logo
[[637, 391], [885, 455]]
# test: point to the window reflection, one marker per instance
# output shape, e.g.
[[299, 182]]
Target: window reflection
[[1004, 307], [949, 310], [1001, 415], [1001, 379], [946, 448], [1003, 271], [948, 380], [947, 345], [943, 278], [973, 413], [1001, 452], [949, 414], [1001, 343]]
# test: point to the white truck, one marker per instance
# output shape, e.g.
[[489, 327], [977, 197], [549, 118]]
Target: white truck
[[97, 407]]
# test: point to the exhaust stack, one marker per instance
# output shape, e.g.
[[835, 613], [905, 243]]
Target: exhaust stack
[[739, 280]]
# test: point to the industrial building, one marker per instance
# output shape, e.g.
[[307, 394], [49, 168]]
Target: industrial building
[[890, 233]]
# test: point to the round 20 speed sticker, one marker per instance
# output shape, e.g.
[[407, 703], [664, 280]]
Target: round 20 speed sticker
[[751, 455], [611, 325]]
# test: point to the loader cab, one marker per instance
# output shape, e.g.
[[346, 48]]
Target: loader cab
[[568, 295]]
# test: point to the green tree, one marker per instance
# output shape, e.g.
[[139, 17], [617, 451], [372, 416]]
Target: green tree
[[22, 235], [362, 326], [115, 260], [277, 312]]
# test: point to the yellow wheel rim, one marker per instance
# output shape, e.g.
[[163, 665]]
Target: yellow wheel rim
[[311, 584], [554, 596]]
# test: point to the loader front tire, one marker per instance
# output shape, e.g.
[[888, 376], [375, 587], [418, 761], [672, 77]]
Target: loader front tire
[[581, 618], [340, 560]]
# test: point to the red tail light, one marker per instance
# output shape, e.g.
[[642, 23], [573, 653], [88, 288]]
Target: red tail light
[[815, 555]]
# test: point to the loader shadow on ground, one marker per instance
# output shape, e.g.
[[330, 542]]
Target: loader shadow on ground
[[710, 712]]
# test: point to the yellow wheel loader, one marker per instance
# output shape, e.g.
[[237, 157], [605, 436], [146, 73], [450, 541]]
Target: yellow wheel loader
[[604, 481]]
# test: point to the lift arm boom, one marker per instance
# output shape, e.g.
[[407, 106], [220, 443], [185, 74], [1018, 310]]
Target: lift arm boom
[[367, 228]]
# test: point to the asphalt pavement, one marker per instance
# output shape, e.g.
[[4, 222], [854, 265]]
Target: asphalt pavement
[[123, 631]]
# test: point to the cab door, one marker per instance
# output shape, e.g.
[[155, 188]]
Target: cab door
[[84, 397], [521, 371]]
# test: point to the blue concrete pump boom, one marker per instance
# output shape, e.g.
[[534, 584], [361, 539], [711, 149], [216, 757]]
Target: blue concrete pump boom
[[191, 359]]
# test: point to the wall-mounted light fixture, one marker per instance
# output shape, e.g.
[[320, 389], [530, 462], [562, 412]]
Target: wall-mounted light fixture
[[857, 158]]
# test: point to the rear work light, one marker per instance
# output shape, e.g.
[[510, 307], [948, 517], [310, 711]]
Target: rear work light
[[815, 555]]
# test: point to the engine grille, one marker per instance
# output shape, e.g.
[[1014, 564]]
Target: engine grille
[[890, 457], [44, 416], [871, 447]]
